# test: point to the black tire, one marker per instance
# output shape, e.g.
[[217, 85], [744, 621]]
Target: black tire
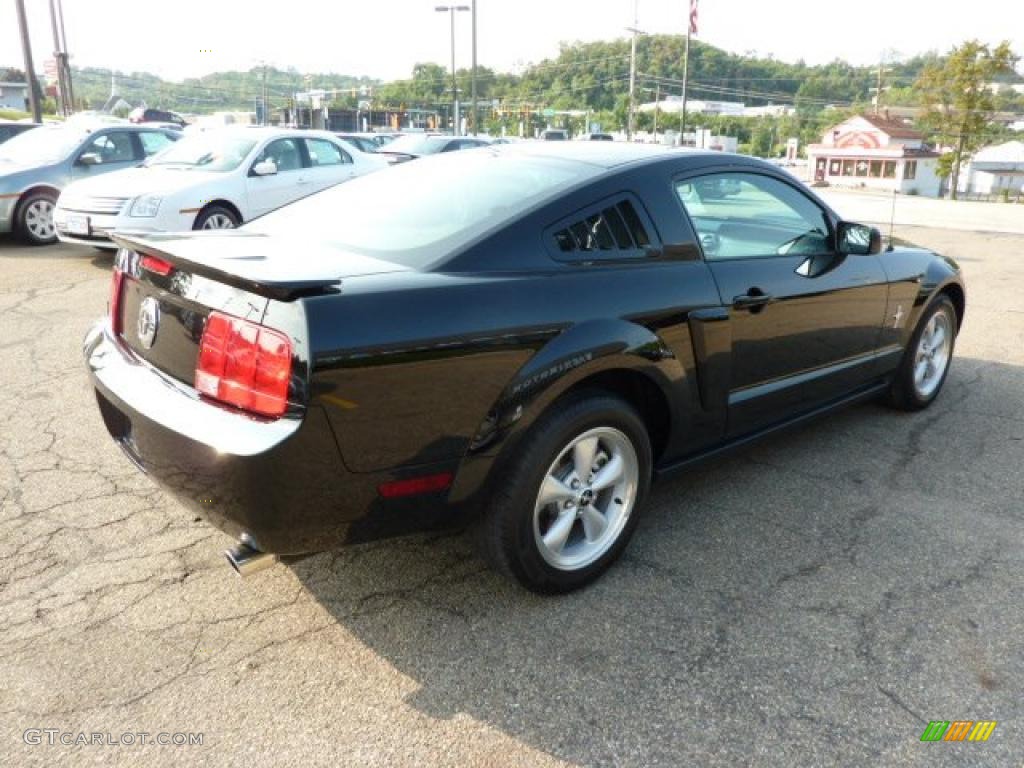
[[904, 393], [506, 531], [26, 218], [213, 213]]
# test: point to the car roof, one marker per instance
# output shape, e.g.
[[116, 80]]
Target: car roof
[[606, 154]]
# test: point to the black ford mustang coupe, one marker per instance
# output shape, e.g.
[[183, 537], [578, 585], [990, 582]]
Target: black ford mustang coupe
[[529, 333]]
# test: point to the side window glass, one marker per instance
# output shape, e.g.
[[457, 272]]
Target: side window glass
[[111, 148], [153, 142], [284, 153], [323, 152], [744, 216]]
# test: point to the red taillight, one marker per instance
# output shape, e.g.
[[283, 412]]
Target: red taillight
[[116, 282], [244, 364], [414, 486], [153, 264]]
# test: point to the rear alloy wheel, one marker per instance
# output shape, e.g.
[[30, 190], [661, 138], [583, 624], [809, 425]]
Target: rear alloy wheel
[[216, 217], [567, 502], [35, 218], [586, 499], [926, 361]]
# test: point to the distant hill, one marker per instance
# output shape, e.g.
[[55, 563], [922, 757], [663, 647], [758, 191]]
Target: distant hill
[[593, 76], [213, 92]]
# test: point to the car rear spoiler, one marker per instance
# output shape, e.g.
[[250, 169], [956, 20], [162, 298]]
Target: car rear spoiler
[[271, 288]]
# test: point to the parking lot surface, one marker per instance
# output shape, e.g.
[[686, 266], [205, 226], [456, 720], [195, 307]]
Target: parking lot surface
[[814, 600]]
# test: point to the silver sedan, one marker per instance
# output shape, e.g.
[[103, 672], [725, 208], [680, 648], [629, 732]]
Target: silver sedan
[[35, 167]]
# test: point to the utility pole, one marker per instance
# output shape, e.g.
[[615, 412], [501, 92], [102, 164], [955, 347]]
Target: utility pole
[[476, 113], [657, 102], [265, 116], [878, 90], [632, 72], [66, 57], [686, 73], [65, 102], [886, 55], [26, 50]]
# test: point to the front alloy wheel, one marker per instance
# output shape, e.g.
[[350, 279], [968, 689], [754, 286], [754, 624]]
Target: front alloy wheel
[[216, 217], [926, 360], [931, 359]]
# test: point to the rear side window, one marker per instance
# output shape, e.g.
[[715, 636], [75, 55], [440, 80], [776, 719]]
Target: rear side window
[[613, 229], [323, 152], [153, 142], [114, 147]]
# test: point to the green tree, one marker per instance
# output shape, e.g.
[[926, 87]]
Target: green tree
[[957, 102]]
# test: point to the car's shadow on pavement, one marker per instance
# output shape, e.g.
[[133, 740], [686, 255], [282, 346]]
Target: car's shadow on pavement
[[826, 592], [11, 247]]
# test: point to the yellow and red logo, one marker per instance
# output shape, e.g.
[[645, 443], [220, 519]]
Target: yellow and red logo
[[958, 730]]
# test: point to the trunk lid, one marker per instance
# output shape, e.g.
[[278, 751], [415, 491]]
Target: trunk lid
[[169, 283]]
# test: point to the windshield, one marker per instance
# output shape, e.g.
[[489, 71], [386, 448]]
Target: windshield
[[42, 146], [206, 152], [417, 145], [417, 213]]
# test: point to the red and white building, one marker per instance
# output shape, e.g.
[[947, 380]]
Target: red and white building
[[876, 153]]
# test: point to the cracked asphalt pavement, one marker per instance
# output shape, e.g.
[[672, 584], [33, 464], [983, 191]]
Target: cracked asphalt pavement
[[813, 600]]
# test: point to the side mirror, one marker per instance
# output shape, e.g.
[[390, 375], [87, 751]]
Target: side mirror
[[264, 168], [858, 239], [89, 158]]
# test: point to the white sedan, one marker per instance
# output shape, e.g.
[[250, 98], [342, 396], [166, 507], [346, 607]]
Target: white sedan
[[212, 180]]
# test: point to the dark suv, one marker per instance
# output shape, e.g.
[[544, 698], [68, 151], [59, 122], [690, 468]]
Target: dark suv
[[141, 115]]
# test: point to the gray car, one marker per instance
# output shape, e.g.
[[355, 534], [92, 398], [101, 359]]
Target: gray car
[[35, 167]]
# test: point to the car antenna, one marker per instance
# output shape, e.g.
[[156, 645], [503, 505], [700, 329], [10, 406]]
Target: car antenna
[[892, 219]]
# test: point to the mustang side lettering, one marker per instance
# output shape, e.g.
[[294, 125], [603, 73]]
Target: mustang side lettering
[[525, 334]]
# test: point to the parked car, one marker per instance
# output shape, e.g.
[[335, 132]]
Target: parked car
[[413, 145], [600, 137], [35, 167], [142, 115], [528, 334], [211, 180], [554, 134], [364, 142], [9, 129], [386, 137]]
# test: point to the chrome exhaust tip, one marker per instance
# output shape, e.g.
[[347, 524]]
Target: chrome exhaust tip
[[247, 560]]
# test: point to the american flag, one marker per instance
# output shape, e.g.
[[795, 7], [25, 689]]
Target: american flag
[[693, 17]]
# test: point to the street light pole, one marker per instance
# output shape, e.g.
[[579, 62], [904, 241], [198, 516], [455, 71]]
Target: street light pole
[[451, 9], [476, 112]]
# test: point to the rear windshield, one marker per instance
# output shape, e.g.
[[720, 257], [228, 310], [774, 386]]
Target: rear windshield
[[417, 213]]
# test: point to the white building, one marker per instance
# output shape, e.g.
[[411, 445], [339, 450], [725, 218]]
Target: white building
[[673, 105], [876, 153], [994, 169], [771, 110], [14, 96]]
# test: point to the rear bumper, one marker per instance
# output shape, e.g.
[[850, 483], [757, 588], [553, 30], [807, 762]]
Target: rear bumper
[[282, 482]]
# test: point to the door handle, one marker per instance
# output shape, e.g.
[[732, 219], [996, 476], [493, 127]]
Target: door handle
[[754, 300]]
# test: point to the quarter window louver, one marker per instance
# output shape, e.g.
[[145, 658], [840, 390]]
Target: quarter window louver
[[614, 228]]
